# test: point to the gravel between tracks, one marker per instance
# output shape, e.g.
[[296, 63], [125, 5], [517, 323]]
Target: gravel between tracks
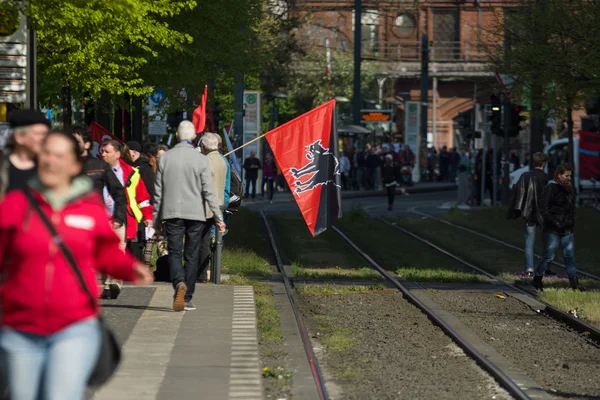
[[559, 360], [398, 352]]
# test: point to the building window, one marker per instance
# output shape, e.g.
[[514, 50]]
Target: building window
[[369, 30], [404, 25], [446, 34]]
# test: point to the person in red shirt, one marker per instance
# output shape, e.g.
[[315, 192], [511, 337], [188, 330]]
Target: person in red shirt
[[139, 205], [50, 334]]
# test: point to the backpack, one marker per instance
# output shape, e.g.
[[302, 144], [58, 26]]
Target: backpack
[[236, 189]]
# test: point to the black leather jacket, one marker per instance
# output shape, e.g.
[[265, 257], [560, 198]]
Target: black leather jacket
[[526, 196], [101, 175], [557, 207]]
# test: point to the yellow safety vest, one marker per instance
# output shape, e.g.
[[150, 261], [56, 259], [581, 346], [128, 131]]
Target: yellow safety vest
[[132, 184]]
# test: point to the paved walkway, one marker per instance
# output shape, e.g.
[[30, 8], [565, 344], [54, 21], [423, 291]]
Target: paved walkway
[[209, 353]]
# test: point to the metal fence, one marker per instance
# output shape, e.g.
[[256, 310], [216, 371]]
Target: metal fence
[[464, 51]]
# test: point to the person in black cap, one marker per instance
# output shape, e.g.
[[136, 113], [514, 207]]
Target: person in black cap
[[143, 165], [139, 161], [18, 160]]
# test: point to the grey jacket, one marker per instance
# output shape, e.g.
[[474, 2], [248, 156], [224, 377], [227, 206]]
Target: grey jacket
[[184, 185]]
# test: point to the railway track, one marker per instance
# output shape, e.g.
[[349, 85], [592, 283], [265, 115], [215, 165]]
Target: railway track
[[528, 296], [442, 316], [516, 383], [499, 364], [415, 210], [308, 349]]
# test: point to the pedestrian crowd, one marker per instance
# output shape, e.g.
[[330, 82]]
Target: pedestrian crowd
[[73, 228]]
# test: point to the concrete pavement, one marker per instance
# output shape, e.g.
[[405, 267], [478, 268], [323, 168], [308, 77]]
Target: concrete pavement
[[208, 353]]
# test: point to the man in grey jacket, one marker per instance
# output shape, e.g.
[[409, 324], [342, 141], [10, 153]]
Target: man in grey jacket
[[183, 186]]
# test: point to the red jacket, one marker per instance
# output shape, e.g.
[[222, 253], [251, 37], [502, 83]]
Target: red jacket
[[41, 294], [142, 198]]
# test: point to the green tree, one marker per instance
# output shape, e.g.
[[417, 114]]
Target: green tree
[[549, 44], [97, 47]]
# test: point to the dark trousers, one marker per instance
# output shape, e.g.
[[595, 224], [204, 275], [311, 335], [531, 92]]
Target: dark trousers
[[391, 193], [137, 249], [183, 262], [204, 256], [269, 183], [344, 182], [253, 182]]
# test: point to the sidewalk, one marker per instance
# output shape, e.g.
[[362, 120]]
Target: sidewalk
[[209, 353]]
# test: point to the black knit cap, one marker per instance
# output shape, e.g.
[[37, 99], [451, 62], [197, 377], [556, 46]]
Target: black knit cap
[[133, 145], [28, 117]]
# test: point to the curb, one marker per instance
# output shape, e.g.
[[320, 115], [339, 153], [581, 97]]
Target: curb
[[410, 190]]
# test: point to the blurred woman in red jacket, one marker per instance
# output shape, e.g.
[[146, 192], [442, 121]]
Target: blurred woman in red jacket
[[50, 336]]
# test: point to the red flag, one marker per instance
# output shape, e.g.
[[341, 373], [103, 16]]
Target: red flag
[[99, 135], [199, 116], [306, 151]]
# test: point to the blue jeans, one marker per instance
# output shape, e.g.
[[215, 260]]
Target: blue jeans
[[551, 243], [530, 228], [55, 367]]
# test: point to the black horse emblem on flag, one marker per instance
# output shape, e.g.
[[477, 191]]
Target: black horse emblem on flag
[[321, 161]]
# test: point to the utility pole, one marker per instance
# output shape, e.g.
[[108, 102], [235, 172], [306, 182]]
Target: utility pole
[[424, 102], [356, 101], [424, 86], [505, 164]]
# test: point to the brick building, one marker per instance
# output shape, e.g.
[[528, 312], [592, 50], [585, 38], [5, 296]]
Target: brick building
[[459, 31]]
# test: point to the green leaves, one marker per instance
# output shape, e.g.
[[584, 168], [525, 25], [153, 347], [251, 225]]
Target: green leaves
[[100, 46]]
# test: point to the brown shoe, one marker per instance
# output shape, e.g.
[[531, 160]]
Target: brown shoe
[[179, 301]]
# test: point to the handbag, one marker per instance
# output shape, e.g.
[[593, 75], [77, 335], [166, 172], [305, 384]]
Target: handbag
[[110, 350]]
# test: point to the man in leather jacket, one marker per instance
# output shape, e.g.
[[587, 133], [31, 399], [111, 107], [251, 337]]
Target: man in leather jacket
[[101, 175], [525, 203]]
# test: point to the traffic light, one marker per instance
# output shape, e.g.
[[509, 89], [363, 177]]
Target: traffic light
[[495, 116], [515, 119], [463, 121]]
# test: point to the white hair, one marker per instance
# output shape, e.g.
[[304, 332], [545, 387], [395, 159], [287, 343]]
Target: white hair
[[210, 142], [186, 131]]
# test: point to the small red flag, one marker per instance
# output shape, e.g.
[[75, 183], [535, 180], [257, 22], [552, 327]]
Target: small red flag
[[199, 116], [99, 135], [306, 151]]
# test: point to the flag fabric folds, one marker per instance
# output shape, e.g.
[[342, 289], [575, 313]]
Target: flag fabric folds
[[199, 115], [306, 151], [99, 135]]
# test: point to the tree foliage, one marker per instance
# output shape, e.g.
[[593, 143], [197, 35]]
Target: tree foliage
[[223, 38], [553, 44], [100, 46]]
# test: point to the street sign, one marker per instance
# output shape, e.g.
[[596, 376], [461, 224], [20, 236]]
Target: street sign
[[252, 124], [157, 128], [157, 96], [376, 116], [411, 129], [13, 59]]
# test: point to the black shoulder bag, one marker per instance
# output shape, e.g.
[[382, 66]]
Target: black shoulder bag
[[110, 350]]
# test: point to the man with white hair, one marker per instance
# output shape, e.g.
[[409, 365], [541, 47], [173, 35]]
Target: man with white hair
[[210, 147], [183, 183]]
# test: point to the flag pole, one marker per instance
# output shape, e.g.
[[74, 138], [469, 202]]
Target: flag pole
[[246, 144]]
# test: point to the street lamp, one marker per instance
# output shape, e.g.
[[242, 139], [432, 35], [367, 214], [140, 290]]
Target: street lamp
[[381, 78]]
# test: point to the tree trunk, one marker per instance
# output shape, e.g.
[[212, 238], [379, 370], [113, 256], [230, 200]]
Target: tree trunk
[[67, 114]]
